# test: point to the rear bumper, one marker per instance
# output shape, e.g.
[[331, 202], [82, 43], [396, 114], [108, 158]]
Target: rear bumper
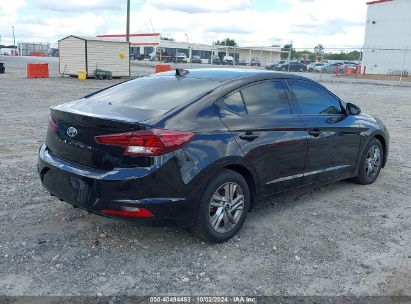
[[94, 190]]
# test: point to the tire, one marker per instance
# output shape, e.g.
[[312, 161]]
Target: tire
[[370, 163], [213, 224]]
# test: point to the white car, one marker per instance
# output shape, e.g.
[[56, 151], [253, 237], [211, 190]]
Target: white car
[[228, 60], [319, 67], [314, 67], [181, 57]]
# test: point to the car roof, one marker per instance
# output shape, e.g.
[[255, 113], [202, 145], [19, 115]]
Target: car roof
[[222, 74]]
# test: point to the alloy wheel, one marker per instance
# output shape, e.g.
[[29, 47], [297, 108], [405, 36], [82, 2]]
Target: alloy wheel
[[226, 207], [372, 162]]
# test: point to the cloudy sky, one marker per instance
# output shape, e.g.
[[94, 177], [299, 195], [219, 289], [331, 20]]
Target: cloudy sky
[[334, 23]]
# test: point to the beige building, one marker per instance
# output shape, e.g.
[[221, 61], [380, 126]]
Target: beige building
[[145, 44], [265, 54], [88, 54]]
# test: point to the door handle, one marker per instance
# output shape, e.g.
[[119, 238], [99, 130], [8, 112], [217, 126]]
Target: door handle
[[249, 136], [315, 132]]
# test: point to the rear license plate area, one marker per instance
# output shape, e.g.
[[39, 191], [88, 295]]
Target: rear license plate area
[[66, 187]]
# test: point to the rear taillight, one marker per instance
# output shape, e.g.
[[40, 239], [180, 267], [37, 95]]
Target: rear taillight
[[130, 212], [147, 142], [52, 125]]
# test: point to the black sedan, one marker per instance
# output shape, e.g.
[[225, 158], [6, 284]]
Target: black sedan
[[196, 59], [273, 65], [200, 147], [215, 60], [292, 66]]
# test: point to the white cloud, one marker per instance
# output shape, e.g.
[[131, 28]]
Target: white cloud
[[200, 6], [76, 5], [304, 22], [8, 7]]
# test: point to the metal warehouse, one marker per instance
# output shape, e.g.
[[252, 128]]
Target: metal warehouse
[[387, 43], [88, 54], [147, 43]]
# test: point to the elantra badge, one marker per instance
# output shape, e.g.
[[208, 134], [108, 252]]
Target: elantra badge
[[71, 131]]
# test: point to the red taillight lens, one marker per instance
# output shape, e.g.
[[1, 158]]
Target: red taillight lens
[[131, 212], [120, 139], [52, 125], [147, 142]]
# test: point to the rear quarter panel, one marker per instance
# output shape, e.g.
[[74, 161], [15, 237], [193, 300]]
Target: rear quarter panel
[[213, 147]]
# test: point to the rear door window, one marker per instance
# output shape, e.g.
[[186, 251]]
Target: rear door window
[[234, 103], [266, 99]]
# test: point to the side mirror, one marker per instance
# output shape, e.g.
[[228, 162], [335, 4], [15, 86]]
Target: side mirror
[[352, 109]]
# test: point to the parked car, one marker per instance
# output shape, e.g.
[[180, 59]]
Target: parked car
[[273, 65], [143, 57], [332, 67], [181, 58], [349, 64], [293, 66], [228, 60], [313, 66], [318, 68], [196, 148], [196, 59], [215, 60], [255, 61], [305, 61], [242, 62]]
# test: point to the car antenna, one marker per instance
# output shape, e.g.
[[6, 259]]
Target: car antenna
[[181, 72]]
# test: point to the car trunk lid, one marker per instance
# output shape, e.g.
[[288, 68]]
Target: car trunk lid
[[71, 136]]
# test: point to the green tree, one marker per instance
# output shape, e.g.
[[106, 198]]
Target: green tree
[[350, 56], [286, 50], [227, 41], [319, 52], [319, 49], [304, 54]]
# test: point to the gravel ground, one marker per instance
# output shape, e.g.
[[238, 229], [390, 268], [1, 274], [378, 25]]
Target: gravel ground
[[341, 239]]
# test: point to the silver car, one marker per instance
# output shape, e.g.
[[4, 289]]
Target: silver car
[[332, 67], [315, 66]]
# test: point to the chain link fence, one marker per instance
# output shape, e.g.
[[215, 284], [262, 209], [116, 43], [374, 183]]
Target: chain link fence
[[389, 64]]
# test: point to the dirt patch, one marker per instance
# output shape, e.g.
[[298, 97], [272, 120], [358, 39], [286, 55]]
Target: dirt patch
[[341, 239]]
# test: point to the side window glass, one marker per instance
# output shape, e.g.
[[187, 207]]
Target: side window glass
[[314, 100], [266, 99], [234, 103]]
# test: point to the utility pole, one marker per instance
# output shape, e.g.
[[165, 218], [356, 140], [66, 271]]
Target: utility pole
[[188, 48], [128, 22], [14, 37], [289, 56]]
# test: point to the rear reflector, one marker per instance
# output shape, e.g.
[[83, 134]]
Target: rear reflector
[[130, 212], [147, 142]]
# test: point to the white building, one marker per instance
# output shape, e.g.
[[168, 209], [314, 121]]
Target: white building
[[147, 43], [89, 53], [387, 43]]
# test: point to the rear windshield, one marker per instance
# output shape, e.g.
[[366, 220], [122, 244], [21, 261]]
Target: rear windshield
[[154, 92]]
